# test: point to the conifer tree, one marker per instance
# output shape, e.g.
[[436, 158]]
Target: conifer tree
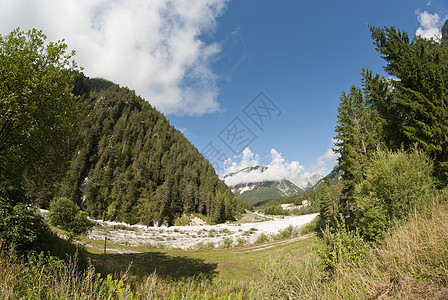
[[417, 108], [134, 166], [357, 135]]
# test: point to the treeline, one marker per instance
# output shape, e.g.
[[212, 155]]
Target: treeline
[[133, 166]]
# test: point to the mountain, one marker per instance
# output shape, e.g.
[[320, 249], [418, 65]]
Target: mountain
[[131, 165], [257, 184], [270, 173], [256, 192], [335, 176]]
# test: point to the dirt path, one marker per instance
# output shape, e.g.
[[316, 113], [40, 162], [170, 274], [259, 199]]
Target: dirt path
[[277, 243]]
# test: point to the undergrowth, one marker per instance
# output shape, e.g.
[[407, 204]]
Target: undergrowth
[[411, 263]]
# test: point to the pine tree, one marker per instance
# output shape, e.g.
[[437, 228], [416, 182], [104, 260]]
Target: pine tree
[[357, 135], [418, 106]]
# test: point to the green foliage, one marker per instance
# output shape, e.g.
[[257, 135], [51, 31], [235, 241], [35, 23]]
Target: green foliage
[[339, 247], [38, 112], [21, 228], [133, 166], [413, 106], [66, 214], [357, 134], [407, 109], [399, 113], [275, 209], [46, 277], [287, 233], [262, 238], [395, 184], [227, 242], [317, 225], [330, 201], [372, 219]]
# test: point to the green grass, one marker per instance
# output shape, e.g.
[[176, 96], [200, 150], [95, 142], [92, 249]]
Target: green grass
[[222, 264]]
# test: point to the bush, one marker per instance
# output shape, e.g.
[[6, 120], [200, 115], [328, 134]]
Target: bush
[[275, 209], [338, 247], [395, 183], [65, 214], [227, 242], [262, 238], [315, 225], [287, 233], [21, 228]]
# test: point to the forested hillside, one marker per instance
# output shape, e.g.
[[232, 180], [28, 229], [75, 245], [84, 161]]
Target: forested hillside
[[131, 165]]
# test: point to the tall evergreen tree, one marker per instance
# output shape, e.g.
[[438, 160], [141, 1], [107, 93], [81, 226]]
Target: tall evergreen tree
[[357, 135], [418, 106]]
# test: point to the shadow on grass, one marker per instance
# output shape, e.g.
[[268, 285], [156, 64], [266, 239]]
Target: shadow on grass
[[144, 264]]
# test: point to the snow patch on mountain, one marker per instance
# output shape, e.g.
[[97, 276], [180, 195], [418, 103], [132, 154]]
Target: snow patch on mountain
[[248, 170], [246, 188], [251, 177]]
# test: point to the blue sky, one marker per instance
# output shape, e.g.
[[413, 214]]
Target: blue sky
[[301, 55], [203, 63]]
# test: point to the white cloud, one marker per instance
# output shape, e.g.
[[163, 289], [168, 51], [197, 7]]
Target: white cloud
[[278, 169], [151, 46], [429, 25], [248, 159], [324, 164]]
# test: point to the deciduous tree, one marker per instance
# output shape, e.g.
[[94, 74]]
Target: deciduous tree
[[37, 110]]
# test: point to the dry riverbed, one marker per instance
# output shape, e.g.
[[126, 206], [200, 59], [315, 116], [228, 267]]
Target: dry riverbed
[[197, 237]]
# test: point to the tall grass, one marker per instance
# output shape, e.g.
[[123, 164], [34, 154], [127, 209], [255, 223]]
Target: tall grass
[[411, 263], [50, 278]]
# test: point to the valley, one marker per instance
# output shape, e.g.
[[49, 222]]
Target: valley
[[125, 238], [103, 196], [243, 262]]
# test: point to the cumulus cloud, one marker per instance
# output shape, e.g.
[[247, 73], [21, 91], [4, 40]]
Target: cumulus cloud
[[247, 159], [154, 47], [429, 25], [278, 169], [324, 164]]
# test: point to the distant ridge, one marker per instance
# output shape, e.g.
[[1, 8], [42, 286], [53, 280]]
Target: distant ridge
[[246, 185]]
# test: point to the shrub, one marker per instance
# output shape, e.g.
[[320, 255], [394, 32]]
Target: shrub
[[21, 228], [262, 238], [227, 242], [288, 232], [395, 183], [338, 246], [315, 225], [275, 209], [65, 214]]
